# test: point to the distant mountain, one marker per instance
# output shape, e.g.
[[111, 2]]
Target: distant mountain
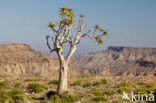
[[118, 61], [22, 60]]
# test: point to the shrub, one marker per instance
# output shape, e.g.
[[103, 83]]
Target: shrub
[[53, 82], [102, 81], [64, 98], [77, 82], [97, 83], [142, 83], [123, 84], [72, 98], [150, 85], [109, 92], [87, 84], [32, 79], [3, 84], [57, 99], [88, 76], [36, 87], [96, 92], [17, 94], [17, 85], [4, 97], [100, 98], [124, 89]]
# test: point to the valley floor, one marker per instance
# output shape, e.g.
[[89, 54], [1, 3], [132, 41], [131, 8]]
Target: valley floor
[[82, 89]]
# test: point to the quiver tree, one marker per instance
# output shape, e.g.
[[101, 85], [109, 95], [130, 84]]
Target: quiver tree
[[66, 31]]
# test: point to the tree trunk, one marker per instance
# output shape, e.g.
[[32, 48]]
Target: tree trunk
[[62, 85]]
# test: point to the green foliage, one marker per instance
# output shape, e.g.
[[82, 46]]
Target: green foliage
[[64, 98], [3, 76], [124, 89], [102, 81], [32, 79], [3, 84], [109, 92], [123, 84], [142, 83], [86, 84], [54, 82], [88, 76], [17, 94], [4, 97], [96, 92], [77, 82], [36, 87], [72, 98], [17, 84], [150, 85], [100, 98], [99, 39], [146, 89], [57, 99]]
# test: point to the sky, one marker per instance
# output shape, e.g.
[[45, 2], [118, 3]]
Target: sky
[[129, 22]]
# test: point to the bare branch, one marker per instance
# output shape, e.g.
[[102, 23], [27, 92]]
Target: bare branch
[[87, 33], [51, 50]]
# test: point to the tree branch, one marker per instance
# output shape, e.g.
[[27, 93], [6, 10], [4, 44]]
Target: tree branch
[[51, 50]]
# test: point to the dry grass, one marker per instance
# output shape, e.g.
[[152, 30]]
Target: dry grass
[[108, 92]]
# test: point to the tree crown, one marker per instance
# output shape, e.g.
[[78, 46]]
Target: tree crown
[[64, 30]]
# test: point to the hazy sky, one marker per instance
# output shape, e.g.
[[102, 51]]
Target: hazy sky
[[129, 22]]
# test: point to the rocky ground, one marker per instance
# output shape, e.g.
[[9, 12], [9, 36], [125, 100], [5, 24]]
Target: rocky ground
[[82, 89]]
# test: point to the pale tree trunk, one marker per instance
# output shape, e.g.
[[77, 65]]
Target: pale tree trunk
[[63, 70], [62, 85]]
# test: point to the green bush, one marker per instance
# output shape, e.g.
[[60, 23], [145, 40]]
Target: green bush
[[17, 85], [88, 76], [97, 83], [36, 87], [109, 92], [72, 98], [123, 84], [53, 82], [96, 92], [3, 84], [32, 79], [146, 89], [57, 99], [102, 81], [100, 98], [86, 84], [124, 89], [18, 95], [4, 97], [64, 98], [150, 85], [77, 82], [142, 83]]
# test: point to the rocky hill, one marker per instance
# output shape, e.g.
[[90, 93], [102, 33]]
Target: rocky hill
[[118, 61], [22, 60]]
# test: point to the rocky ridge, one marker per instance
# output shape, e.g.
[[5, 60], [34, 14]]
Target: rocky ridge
[[22, 60], [118, 61]]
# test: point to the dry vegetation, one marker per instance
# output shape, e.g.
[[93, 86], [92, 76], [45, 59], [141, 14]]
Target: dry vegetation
[[82, 89]]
